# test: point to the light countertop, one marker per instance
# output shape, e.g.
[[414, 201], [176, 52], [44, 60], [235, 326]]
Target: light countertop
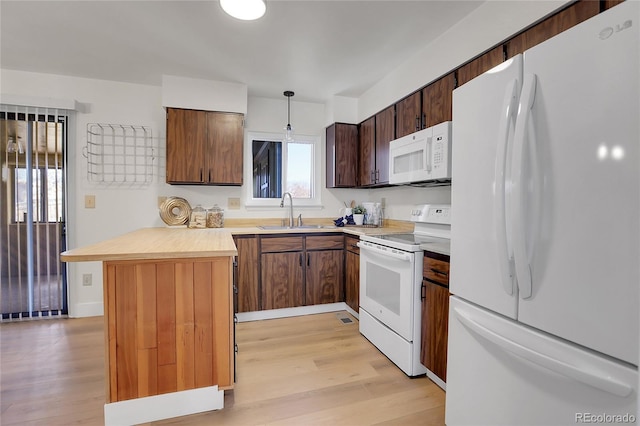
[[157, 243], [182, 242]]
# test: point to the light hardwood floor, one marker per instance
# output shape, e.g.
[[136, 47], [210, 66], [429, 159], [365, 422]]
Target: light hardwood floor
[[306, 370]]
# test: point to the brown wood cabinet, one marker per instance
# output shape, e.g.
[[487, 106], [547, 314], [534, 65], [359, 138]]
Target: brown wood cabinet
[[374, 135], [367, 158], [324, 277], [246, 274], [435, 314], [481, 64], [409, 115], [608, 4], [169, 326], [437, 101], [204, 147], [282, 280], [282, 277], [341, 155], [301, 270], [385, 133], [561, 21], [352, 274]]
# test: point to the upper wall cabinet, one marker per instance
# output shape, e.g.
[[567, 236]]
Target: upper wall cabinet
[[409, 115], [342, 155], [561, 21], [374, 135], [481, 64], [204, 147], [385, 133], [437, 100], [367, 157]]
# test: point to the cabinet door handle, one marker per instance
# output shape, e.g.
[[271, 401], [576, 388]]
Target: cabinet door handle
[[308, 260], [417, 122], [300, 259], [435, 271], [423, 291], [377, 176], [209, 176], [201, 179], [373, 176]]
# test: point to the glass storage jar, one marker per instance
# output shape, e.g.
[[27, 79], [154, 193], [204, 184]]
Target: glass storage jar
[[215, 217], [198, 218]]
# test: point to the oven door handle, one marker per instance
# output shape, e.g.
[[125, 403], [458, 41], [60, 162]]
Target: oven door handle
[[406, 257]]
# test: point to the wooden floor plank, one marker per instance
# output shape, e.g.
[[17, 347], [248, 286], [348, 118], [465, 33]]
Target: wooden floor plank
[[309, 370]]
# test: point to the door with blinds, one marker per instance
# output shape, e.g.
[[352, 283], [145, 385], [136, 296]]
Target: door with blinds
[[32, 217]]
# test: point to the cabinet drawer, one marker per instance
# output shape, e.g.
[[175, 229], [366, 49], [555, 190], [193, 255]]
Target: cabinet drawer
[[280, 244], [325, 242], [351, 244], [436, 268]]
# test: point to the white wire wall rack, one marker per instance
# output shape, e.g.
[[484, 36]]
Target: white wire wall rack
[[119, 154]]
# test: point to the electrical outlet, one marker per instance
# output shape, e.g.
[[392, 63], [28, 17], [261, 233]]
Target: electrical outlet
[[161, 200], [233, 203], [89, 201], [86, 280]]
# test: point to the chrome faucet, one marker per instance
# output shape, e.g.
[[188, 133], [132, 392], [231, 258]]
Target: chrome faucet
[[290, 207]]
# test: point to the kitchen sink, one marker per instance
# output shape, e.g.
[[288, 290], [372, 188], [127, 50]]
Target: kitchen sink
[[277, 227]]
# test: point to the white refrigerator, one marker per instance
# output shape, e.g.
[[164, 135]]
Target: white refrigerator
[[545, 232]]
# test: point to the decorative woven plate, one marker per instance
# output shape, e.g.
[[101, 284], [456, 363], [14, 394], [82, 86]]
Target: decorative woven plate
[[175, 211]]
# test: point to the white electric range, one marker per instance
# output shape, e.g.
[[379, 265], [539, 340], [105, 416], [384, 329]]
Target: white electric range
[[390, 284]]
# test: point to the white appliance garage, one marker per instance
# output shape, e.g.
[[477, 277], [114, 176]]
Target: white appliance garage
[[390, 285], [543, 326]]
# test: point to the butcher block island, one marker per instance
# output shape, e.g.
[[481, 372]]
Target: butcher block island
[[168, 309]]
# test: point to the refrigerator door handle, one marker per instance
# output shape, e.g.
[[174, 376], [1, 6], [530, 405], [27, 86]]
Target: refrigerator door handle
[[509, 105], [596, 379], [523, 270]]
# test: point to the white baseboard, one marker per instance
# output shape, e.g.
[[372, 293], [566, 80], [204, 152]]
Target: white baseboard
[[165, 406], [81, 310], [292, 312], [351, 311], [437, 380]]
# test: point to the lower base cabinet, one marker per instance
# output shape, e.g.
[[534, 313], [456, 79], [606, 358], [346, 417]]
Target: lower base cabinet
[[247, 278], [435, 314], [324, 277], [299, 270], [352, 273], [282, 283]]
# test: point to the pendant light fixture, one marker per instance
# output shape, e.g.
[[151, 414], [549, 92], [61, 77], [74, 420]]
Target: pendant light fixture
[[288, 130], [246, 10]]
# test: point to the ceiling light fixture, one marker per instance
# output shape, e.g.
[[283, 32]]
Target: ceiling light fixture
[[246, 10], [288, 130]]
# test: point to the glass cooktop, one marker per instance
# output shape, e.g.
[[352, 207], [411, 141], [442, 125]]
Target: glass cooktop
[[411, 242]]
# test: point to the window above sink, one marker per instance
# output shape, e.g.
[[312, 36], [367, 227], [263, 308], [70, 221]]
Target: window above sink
[[278, 167]]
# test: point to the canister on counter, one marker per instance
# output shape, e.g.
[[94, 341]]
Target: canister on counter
[[198, 217], [215, 217]]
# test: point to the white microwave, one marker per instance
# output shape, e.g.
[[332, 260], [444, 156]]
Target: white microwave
[[421, 156]]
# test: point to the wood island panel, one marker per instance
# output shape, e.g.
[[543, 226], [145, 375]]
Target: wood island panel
[[169, 326]]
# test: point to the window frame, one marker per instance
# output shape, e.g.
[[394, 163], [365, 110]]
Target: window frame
[[268, 203]]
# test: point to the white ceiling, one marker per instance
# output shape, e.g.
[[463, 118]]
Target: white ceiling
[[316, 48]]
